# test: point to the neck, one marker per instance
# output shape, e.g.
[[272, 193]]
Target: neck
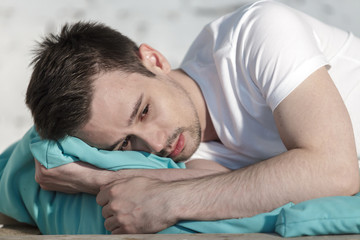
[[208, 132]]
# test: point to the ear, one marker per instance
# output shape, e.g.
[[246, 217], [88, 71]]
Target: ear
[[153, 60]]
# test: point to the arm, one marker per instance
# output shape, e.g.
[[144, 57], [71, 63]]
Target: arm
[[315, 127], [321, 161], [82, 177]]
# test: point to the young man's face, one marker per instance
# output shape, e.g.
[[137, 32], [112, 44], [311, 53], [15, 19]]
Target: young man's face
[[135, 112]]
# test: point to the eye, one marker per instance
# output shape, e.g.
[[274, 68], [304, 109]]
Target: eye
[[144, 112], [125, 143]]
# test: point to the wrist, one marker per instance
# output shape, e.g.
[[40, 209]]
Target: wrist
[[101, 178], [179, 200], [200, 199]]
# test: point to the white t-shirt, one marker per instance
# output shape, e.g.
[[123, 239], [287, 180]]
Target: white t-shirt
[[248, 61]]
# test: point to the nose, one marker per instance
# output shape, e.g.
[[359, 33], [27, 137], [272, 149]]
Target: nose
[[155, 139]]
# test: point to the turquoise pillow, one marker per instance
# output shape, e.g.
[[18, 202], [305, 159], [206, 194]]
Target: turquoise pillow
[[55, 212], [52, 212], [261, 223], [52, 154], [59, 213], [71, 149], [322, 216]]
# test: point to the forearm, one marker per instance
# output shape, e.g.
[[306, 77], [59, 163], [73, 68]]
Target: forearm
[[166, 175], [294, 176], [81, 177], [194, 169], [91, 179]]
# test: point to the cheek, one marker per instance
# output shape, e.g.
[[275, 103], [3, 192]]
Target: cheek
[[174, 111], [175, 107], [95, 140], [139, 145]]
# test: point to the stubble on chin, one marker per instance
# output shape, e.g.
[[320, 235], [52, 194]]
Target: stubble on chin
[[191, 145]]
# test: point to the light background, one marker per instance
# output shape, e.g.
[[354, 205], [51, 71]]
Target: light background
[[167, 25]]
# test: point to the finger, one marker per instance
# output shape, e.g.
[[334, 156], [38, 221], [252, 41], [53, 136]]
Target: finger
[[102, 197], [111, 224], [125, 230], [40, 178], [118, 231], [106, 211], [103, 187], [38, 165]]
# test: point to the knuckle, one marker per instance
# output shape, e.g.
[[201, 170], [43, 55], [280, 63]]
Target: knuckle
[[39, 179], [107, 225], [99, 200], [43, 173], [113, 192], [126, 223], [44, 187], [129, 229], [113, 206]]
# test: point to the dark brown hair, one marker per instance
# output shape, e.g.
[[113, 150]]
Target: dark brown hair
[[60, 89]]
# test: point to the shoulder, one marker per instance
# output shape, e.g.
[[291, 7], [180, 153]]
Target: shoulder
[[266, 17], [263, 22], [268, 11]]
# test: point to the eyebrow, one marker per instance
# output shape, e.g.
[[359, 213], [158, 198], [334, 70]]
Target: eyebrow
[[135, 110], [130, 121]]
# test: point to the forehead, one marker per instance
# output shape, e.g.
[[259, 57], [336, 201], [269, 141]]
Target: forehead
[[114, 95], [113, 89], [112, 84]]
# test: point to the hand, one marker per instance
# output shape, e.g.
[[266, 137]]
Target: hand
[[82, 177], [136, 205], [69, 178]]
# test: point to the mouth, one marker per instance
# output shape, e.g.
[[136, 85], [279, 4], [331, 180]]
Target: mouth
[[179, 146]]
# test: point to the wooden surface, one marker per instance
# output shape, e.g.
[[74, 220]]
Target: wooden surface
[[28, 233], [10, 229], [16, 230], [176, 237]]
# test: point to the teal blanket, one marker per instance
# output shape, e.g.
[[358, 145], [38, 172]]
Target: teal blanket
[[59, 213]]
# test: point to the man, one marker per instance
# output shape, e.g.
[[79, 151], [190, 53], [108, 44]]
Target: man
[[261, 91]]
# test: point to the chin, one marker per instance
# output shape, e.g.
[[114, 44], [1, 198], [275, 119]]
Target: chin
[[182, 157]]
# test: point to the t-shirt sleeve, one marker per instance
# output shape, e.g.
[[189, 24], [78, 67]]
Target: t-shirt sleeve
[[278, 49]]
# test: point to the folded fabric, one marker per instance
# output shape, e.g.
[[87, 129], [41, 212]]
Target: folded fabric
[[261, 223], [71, 149], [53, 212], [59, 213], [329, 215]]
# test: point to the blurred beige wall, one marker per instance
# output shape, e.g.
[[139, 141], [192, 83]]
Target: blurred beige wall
[[169, 26]]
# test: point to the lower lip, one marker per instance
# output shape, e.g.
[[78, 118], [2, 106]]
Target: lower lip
[[179, 146]]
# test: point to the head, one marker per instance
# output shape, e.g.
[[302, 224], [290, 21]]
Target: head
[[60, 91], [96, 84]]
